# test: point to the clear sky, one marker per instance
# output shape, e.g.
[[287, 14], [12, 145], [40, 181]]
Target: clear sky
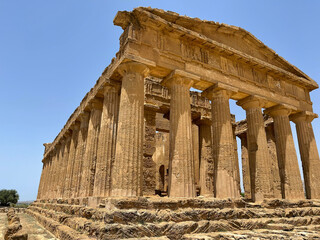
[[52, 52]]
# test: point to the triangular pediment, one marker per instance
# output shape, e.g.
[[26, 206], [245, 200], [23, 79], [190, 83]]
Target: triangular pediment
[[231, 36]]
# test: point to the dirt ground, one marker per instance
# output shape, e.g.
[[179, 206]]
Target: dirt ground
[[29, 224]]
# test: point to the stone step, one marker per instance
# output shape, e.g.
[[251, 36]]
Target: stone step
[[254, 234], [59, 230], [179, 203], [187, 214], [199, 202], [172, 230]]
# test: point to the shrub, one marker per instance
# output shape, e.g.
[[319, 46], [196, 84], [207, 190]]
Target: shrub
[[8, 197]]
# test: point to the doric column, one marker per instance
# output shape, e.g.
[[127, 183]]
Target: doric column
[[41, 181], [80, 152], [236, 157], [308, 152], [149, 147], [272, 146], [60, 166], [90, 156], [206, 159], [107, 141], [127, 170], [64, 164], [181, 165], [196, 160], [225, 162], [75, 127], [259, 157], [56, 168], [291, 183], [245, 166], [46, 186]]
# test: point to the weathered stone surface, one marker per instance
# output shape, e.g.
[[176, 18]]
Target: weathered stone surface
[[149, 147], [79, 156], [225, 163], [107, 141], [161, 158], [206, 160], [90, 155], [309, 153], [291, 183], [153, 138], [71, 160], [261, 177], [177, 218], [181, 165], [127, 169], [14, 230]]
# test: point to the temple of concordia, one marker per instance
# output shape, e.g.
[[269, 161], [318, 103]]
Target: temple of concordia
[[141, 142]]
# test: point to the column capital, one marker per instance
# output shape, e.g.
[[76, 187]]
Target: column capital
[[67, 134], [57, 147], [150, 107], [45, 159], [219, 89], [111, 88], [304, 116], [252, 102], [133, 67], [52, 152], [75, 126], [95, 103], [203, 121], [180, 77], [62, 141], [279, 110], [84, 118]]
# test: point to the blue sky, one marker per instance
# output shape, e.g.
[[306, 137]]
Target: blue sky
[[52, 52]]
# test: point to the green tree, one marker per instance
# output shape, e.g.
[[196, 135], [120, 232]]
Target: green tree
[[8, 196]]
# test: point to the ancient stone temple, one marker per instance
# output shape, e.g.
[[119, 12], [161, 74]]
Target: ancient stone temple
[[140, 139]]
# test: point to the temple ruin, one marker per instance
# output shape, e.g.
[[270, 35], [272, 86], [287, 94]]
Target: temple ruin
[[140, 133]]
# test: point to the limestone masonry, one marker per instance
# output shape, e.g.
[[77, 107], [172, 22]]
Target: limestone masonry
[[140, 133]]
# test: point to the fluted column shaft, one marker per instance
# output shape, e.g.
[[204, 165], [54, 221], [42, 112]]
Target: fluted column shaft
[[181, 162], [196, 160], [79, 155], [55, 169], [107, 141], [59, 169], [245, 166], [309, 153], [206, 161], [272, 146], [149, 165], [52, 172], [41, 182], [46, 187], [291, 183], [90, 157], [259, 157], [225, 162], [127, 170], [71, 159], [64, 165]]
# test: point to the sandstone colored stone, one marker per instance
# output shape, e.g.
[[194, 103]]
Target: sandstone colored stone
[[127, 169], [132, 158], [261, 177], [291, 182], [181, 165], [225, 163]]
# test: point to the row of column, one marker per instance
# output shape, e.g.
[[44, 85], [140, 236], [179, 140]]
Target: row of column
[[102, 153]]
